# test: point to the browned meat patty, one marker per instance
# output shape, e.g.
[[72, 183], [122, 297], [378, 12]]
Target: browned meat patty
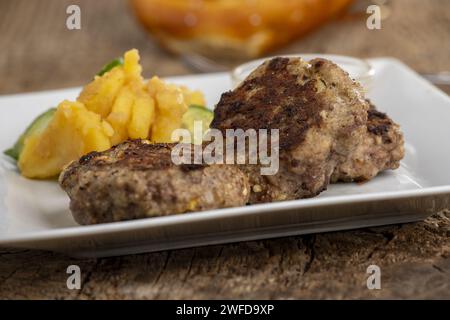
[[137, 180], [381, 149], [321, 115]]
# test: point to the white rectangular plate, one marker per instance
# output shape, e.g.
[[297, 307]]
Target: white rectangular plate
[[35, 214]]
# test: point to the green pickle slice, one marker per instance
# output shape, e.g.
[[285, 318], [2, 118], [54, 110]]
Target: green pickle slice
[[37, 126], [197, 113]]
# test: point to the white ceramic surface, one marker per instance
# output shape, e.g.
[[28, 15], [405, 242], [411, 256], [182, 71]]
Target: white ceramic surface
[[35, 214]]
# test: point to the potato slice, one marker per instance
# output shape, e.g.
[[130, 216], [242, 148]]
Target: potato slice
[[155, 85], [120, 115], [170, 109], [131, 66], [193, 97], [73, 132], [99, 95], [143, 115]]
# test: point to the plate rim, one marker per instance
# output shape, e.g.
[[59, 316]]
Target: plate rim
[[177, 219]]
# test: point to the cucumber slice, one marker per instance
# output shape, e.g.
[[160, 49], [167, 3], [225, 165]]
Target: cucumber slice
[[115, 63], [197, 113], [36, 127]]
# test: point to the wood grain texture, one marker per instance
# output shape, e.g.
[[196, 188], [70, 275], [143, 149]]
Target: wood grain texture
[[414, 261], [39, 53]]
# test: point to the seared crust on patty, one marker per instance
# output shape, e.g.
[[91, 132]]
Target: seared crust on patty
[[321, 115], [136, 179], [280, 94]]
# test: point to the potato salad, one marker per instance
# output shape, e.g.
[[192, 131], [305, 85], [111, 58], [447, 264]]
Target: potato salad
[[116, 106]]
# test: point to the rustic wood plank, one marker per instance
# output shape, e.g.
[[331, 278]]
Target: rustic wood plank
[[414, 261]]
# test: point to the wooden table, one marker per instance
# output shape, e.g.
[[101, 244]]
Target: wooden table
[[38, 53]]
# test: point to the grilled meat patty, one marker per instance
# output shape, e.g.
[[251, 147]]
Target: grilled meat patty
[[321, 115], [381, 148], [328, 132], [136, 179]]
